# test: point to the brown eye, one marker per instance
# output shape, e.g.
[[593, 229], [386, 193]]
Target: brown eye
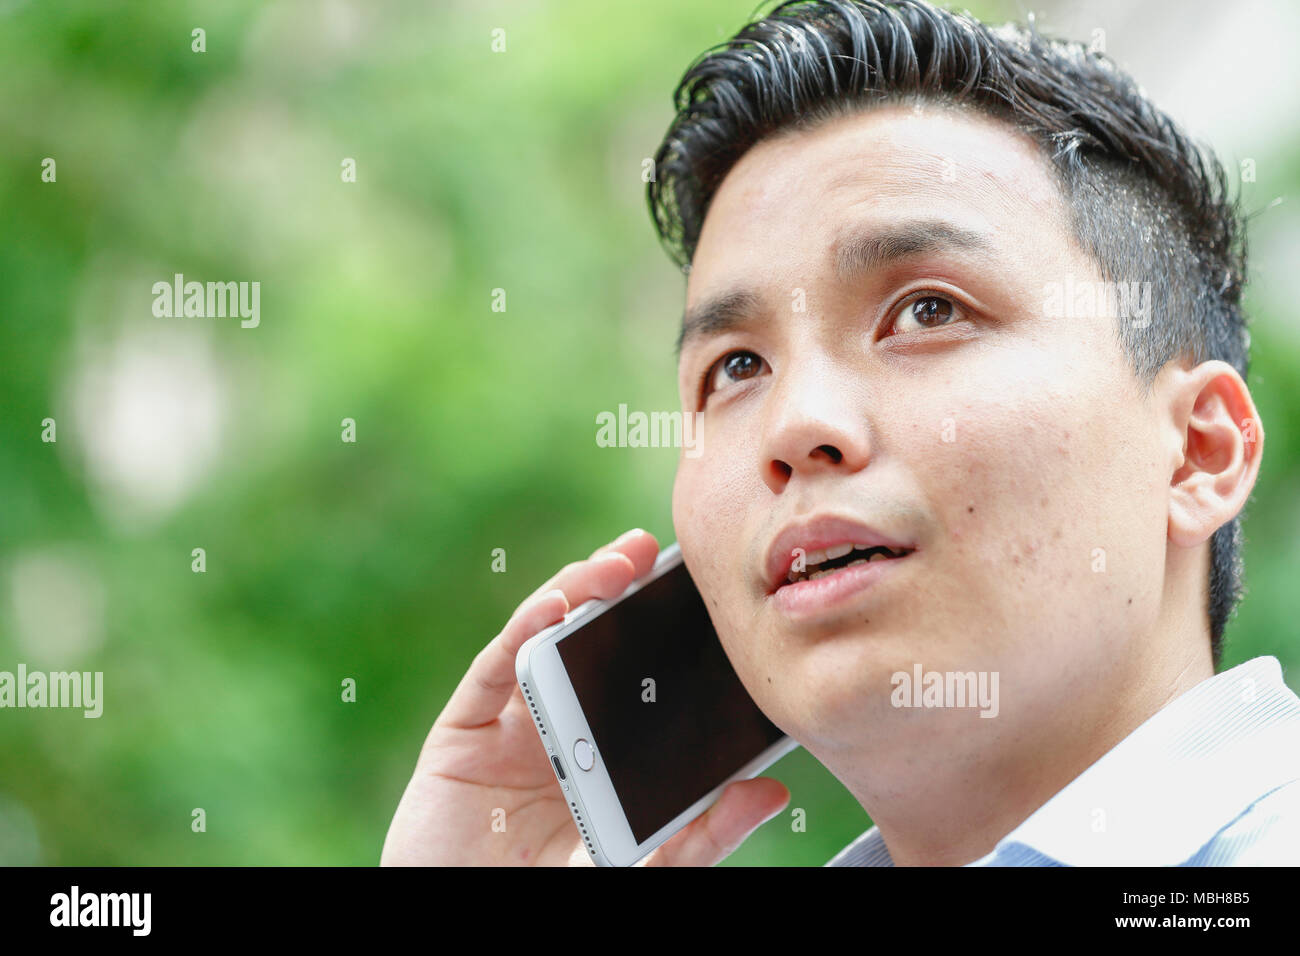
[[740, 365], [931, 311], [928, 312], [732, 367]]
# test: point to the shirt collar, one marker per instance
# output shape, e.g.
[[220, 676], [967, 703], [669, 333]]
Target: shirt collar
[[1167, 788]]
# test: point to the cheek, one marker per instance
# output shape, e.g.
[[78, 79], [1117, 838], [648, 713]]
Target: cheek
[[1046, 488], [714, 517], [713, 501]]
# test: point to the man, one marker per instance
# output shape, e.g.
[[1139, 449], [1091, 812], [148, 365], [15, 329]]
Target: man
[[966, 293]]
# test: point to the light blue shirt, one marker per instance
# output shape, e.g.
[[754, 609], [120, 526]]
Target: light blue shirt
[[1212, 779]]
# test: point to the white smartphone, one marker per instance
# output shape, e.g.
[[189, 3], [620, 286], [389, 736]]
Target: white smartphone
[[641, 713]]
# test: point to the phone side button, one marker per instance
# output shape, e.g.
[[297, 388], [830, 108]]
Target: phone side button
[[559, 768]]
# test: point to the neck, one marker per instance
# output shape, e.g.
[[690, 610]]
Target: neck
[[948, 797]]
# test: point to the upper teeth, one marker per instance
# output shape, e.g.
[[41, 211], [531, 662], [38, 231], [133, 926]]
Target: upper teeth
[[814, 558], [818, 557]]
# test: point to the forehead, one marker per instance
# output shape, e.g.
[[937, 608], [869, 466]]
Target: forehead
[[789, 201]]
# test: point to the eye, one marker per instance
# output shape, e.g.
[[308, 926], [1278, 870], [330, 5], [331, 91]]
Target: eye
[[732, 367], [928, 310]]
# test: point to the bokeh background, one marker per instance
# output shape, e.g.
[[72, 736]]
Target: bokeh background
[[475, 170]]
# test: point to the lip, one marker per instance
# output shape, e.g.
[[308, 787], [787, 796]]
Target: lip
[[817, 534], [808, 599]]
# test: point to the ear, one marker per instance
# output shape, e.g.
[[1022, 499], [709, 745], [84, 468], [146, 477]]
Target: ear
[[1222, 443]]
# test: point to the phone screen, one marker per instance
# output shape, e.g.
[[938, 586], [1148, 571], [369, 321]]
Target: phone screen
[[670, 718]]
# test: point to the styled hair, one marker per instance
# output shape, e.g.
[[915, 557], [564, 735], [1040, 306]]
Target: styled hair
[[1145, 201]]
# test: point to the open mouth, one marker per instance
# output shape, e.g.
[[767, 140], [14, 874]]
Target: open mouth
[[819, 564], [830, 546]]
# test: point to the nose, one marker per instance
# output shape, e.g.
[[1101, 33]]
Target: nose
[[815, 423]]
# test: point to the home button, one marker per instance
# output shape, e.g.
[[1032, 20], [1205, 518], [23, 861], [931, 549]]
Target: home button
[[583, 754]]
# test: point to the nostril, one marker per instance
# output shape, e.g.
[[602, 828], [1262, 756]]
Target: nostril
[[831, 452]]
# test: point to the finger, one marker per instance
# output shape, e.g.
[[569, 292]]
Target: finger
[[638, 544], [489, 683], [742, 808], [490, 680], [604, 576]]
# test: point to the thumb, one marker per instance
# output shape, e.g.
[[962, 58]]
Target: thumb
[[714, 835]]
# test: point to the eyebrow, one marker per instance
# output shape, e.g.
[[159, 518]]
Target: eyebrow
[[863, 251], [855, 252]]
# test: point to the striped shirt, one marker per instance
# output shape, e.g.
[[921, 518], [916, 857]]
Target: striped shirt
[[1212, 779]]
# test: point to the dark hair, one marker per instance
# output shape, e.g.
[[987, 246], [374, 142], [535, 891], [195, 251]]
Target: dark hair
[[1145, 200]]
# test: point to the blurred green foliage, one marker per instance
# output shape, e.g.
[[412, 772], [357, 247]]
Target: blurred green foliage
[[325, 560]]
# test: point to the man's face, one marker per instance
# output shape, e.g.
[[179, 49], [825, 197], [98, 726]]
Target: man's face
[[917, 383]]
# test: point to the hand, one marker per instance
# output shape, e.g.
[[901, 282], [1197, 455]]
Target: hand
[[483, 761]]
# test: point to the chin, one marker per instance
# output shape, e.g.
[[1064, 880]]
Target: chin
[[837, 681]]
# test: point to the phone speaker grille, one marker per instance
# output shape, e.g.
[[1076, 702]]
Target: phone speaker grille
[[577, 814], [582, 828], [533, 707]]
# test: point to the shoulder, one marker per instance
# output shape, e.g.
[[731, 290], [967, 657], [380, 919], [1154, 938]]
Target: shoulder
[[1266, 834], [867, 850]]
